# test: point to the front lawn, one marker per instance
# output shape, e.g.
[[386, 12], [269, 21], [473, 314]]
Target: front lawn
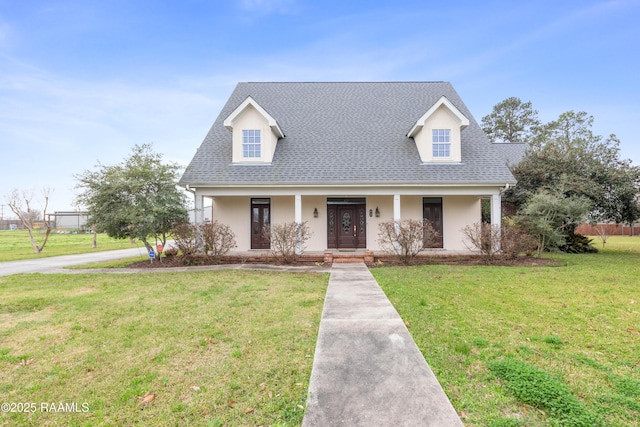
[[212, 348], [531, 346]]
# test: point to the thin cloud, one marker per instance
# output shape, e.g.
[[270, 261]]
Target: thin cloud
[[5, 34], [62, 126], [269, 6]]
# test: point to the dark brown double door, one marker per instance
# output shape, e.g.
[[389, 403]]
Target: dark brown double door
[[347, 225]]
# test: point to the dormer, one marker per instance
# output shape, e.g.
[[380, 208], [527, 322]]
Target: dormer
[[254, 133], [437, 133]]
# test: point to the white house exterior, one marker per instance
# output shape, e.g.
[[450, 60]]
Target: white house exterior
[[345, 157]]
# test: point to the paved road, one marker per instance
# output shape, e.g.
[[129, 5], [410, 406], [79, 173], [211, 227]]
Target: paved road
[[45, 264]]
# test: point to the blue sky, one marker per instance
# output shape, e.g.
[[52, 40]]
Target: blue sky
[[81, 81]]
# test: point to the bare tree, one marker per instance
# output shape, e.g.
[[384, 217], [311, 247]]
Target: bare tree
[[184, 236], [484, 237], [603, 233], [406, 239], [288, 239], [218, 239], [491, 240], [20, 204]]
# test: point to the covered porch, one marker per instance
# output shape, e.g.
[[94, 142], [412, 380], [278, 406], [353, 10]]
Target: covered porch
[[346, 219]]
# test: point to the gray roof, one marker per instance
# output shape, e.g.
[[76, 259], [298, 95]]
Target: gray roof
[[345, 133], [512, 153]]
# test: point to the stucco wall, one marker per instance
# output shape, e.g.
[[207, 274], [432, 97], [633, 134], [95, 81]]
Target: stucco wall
[[318, 226], [458, 211], [385, 206], [236, 213]]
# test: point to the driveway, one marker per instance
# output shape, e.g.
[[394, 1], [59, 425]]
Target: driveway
[[41, 265]]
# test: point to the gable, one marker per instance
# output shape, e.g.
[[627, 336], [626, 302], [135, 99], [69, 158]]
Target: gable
[[443, 118], [250, 117]]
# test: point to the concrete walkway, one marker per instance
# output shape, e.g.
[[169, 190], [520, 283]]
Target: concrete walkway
[[367, 370]]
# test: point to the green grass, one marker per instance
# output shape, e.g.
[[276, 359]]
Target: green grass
[[15, 245], [498, 338], [212, 348], [115, 263]]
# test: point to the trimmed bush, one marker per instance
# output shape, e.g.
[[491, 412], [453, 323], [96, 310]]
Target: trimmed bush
[[406, 239], [288, 240], [218, 239], [184, 236], [483, 237]]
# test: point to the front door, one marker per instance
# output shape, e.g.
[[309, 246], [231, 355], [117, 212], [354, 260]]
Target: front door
[[432, 208], [347, 226], [260, 222]]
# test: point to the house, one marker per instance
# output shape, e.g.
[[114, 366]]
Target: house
[[345, 157]]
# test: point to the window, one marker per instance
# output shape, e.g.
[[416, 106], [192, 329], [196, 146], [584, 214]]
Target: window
[[432, 214], [251, 144], [441, 139], [260, 222]]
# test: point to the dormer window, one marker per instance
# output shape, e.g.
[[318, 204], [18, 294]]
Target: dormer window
[[438, 133], [251, 144], [254, 133], [441, 143]]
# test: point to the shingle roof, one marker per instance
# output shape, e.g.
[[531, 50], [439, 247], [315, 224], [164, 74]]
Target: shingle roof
[[345, 133], [512, 153]]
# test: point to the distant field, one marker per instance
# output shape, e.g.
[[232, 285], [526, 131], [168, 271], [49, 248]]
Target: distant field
[[14, 245]]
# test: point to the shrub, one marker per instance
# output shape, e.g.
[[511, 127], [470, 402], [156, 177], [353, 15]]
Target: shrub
[[218, 239], [406, 239], [577, 244], [515, 241], [489, 239], [170, 252], [548, 216], [213, 238], [288, 240], [184, 236], [483, 237]]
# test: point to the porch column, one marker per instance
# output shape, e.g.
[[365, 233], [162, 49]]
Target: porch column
[[298, 209], [198, 215], [496, 215], [496, 210], [198, 211], [396, 207], [396, 217], [297, 216]]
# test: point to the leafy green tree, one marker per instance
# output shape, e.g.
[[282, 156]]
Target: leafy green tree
[[137, 199], [549, 216], [511, 121], [566, 155]]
